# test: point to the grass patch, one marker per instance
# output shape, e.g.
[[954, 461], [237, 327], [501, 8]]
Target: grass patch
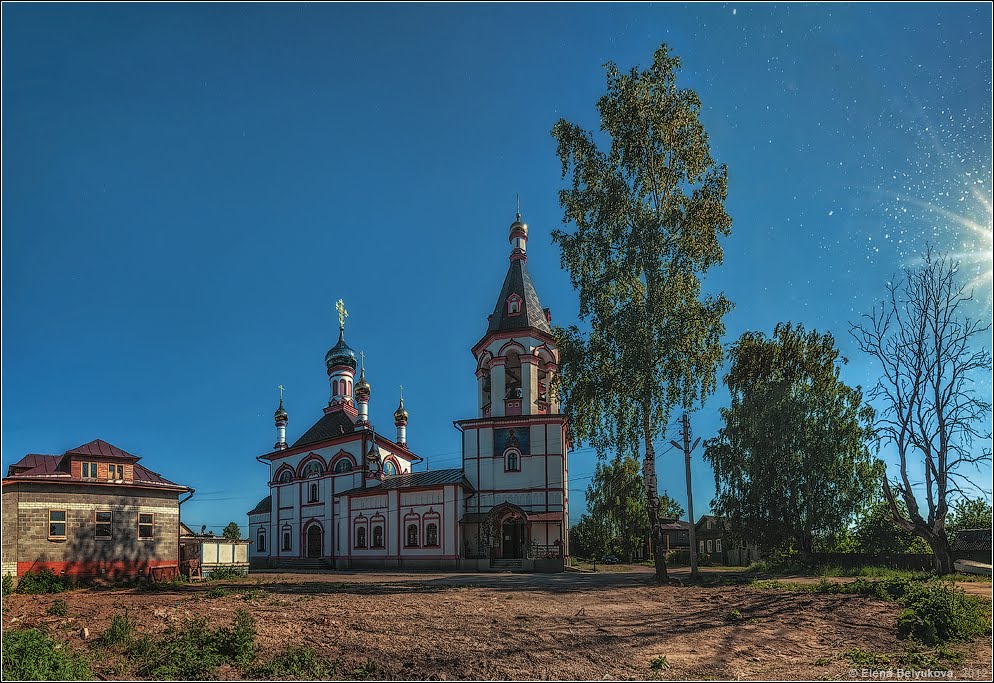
[[218, 592], [225, 574], [659, 663], [297, 663], [195, 651], [867, 659], [735, 615], [120, 631], [30, 655]]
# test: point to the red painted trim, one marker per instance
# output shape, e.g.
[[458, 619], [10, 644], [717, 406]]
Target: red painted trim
[[90, 482], [111, 568], [309, 458], [532, 332], [511, 421]]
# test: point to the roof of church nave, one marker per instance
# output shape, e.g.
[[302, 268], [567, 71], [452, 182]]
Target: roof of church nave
[[328, 427], [453, 475]]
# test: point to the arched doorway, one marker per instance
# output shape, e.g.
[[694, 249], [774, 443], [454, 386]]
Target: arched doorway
[[512, 531], [314, 540]]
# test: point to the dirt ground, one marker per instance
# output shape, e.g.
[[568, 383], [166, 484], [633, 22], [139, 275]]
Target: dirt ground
[[580, 626]]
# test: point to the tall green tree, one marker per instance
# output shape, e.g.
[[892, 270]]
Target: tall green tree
[[647, 211], [791, 462], [232, 531], [931, 351], [875, 532]]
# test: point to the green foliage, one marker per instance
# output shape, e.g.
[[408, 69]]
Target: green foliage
[[875, 532], [648, 211], [195, 651], [934, 659], [591, 538], [791, 461], [121, 629], [8, 584], [968, 513], [616, 501], [218, 592], [865, 658], [226, 574], [297, 663], [735, 615], [669, 508], [44, 581], [232, 531], [659, 663], [30, 655], [681, 558], [365, 670], [58, 609]]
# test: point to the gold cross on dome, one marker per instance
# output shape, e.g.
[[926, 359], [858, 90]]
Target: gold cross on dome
[[280, 387], [342, 314]]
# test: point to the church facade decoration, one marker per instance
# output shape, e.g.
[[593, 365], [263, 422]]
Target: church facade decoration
[[344, 495]]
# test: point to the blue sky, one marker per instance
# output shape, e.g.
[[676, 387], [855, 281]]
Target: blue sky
[[189, 188]]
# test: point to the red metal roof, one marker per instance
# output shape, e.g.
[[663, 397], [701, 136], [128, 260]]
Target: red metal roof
[[101, 448]]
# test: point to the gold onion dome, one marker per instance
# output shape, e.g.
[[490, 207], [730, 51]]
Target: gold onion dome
[[280, 413], [362, 389], [518, 226], [400, 415], [340, 354]]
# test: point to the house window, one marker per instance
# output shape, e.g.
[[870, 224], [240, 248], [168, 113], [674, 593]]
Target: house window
[[513, 304], [261, 540], [56, 523], [389, 468], [702, 546], [89, 470], [717, 545], [145, 524], [313, 497], [104, 522], [286, 537], [709, 524], [710, 546], [343, 465], [377, 536], [114, 472], [360, 537], [431, 534], [412, 535], [512, 461]]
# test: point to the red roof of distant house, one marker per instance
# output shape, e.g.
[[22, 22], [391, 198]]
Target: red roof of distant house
[[37, 467]]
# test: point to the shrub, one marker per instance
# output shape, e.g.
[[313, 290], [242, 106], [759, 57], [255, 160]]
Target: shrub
[[237, 644], [659, 663], [940, 612], [867, 659], [225, 574], [28, 654], [218, 592], [295, 663], [195, 651], [8, 584], [44, 581], [681, 558], [58, 609]]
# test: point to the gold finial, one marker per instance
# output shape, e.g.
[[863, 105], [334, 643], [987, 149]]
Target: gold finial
[[342, 314], [362, 361], [280, 387], [517, 199], [401, 392]]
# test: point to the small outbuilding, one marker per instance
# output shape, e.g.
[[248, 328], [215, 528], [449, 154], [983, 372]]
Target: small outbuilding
[[209, 553]]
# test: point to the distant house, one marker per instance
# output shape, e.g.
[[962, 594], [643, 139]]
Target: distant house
[[211, 552], [973, 544], [92, 511], [676, 534], [714, 540]]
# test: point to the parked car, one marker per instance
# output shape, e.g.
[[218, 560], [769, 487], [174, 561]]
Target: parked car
[[610, 559]]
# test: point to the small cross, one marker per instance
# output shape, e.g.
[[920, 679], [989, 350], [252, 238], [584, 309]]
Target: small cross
[[342, 314], [362, 360], [401, 392], [280, 387], [517, 198]]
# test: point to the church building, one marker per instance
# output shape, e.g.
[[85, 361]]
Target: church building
[[344, 495]]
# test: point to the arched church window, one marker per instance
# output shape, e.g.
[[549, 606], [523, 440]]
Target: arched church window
[[412, 535], [360, 537], [343, 465], [313, 469], [377, 536], [431, 534], [313, 494], [512, 376], [512, 461], [286, 537], [513, 304], [261, 540], [285, 477]]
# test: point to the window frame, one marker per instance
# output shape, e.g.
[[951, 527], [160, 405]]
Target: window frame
[[360, 537], [260, 540], [313, 495], [510, 454], [428, 529], [514, 304], [412, 526], [287, 537], [97, 524], [717, 545], [88, 470], [151, 524], [64, 523], [115, 472], [372, 540]]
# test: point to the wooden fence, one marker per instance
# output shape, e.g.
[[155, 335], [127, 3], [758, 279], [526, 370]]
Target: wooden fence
[[915, 562]]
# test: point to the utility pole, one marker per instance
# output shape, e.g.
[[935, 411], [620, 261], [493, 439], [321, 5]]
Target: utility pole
[[687, 448]]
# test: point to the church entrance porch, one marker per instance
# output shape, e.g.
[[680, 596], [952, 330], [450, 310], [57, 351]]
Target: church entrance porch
[[513, 534], [313, 541]]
